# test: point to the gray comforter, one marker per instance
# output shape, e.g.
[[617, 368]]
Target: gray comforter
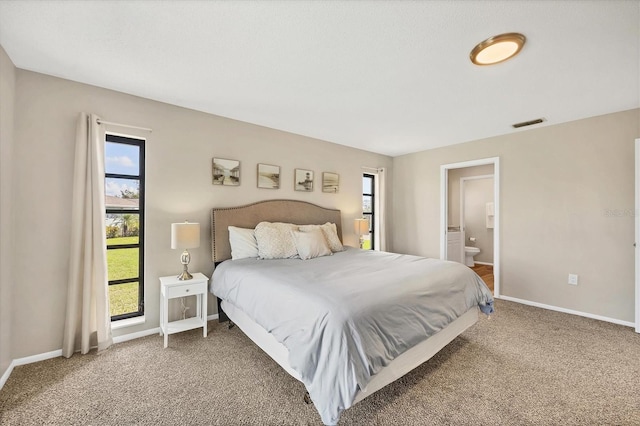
[[345, 317]]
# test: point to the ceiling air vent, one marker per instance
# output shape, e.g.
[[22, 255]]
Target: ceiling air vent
[[528, 123]]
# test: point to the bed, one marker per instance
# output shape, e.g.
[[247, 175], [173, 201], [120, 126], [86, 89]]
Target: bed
[[348, 324]]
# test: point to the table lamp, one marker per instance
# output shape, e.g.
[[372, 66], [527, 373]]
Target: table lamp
[[362, 228], [185, 236]]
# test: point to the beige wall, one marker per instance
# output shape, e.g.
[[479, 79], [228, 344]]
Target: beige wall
[[178, 156], [567, 202], [7, 98], [566, 190]]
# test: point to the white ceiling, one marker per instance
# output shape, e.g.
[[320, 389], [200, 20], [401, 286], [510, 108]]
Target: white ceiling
[[389, 77]]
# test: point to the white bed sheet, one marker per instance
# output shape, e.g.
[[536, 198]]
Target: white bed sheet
[[396, 369]]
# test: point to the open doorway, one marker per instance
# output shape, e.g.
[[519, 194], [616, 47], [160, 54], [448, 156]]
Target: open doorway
[[477, 218], [469, 212]]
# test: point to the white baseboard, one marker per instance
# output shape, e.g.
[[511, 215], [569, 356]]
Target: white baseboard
[[136, 335], [36, 358], [567, 311], [483, 263], [6, 374], [144, 333], [57, 353], [27, 360]]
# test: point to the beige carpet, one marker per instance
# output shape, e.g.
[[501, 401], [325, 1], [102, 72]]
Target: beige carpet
[[523, 366]]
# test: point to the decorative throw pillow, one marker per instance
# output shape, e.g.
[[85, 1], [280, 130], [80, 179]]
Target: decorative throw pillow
[[275, 240], [311, 244], [243, 243], [330, 232]]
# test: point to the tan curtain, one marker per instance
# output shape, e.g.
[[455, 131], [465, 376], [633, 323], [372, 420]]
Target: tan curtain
[[382, 211], [88, 323]]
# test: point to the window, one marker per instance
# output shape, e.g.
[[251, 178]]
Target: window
[[124, 201], [368, 209]]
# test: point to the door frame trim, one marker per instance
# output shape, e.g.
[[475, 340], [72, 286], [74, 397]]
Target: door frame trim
[[637, 234]]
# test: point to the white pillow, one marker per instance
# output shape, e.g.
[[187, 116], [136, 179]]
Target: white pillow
[[275, 240], [311, 244], [243, 243], [330, 232]]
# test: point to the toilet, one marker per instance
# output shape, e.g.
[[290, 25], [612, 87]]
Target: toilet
[[469, 253]]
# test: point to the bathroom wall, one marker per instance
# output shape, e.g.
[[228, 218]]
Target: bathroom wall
[[477, 193], [454, 189]]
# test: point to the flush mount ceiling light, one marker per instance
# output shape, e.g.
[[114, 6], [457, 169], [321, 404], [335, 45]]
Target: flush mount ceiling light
[[497, 49]]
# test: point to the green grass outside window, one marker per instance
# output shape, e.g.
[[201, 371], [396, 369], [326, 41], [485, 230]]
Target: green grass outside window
[[121, 264]]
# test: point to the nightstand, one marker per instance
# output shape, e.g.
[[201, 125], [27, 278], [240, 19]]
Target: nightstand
[[170, 288]]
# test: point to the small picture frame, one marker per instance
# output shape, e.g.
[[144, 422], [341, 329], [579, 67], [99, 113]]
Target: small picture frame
[[225, 172], [303, 180], [330, 182], [268, 176]]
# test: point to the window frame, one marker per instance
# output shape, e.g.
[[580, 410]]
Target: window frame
[[371, 216], [140, 211]]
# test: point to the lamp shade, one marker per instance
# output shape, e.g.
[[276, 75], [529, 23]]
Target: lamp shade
[[361, 226], [185, 235]]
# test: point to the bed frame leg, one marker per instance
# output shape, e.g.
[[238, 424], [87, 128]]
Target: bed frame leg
[[231, 324], [307, 398]]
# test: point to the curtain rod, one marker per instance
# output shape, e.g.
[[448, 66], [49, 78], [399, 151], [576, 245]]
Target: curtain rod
[[146, 129]]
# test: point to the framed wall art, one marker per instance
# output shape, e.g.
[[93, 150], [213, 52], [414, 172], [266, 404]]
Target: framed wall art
[[268, 176], [226, 172], [330, 182], [303, 180]]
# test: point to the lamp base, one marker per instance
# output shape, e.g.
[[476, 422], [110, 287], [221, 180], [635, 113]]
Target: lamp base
[[185, 275], [185, 258]]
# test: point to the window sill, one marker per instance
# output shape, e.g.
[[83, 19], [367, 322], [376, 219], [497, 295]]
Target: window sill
[[129, 322]]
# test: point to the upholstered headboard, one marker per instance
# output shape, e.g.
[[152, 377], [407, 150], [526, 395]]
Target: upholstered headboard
[[288, 211]]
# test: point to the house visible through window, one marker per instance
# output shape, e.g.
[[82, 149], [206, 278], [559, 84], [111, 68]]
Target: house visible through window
[[368, 209], [124, 201]]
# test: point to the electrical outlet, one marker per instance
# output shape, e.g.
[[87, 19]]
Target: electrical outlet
[[573, 279]]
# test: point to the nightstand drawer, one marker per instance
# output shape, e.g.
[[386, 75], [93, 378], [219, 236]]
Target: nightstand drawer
[[186, 290]]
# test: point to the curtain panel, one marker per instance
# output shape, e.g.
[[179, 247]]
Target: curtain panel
[[381, 208], [88, 322]]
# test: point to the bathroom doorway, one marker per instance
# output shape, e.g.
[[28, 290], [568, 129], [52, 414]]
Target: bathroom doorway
[[475, 243], [477, 219]]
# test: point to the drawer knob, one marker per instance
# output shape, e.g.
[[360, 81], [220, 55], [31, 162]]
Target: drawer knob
[[187, 290]]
